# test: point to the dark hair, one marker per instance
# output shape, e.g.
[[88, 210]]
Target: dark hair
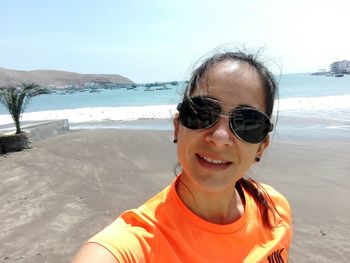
[[258, 192], [269, 82]]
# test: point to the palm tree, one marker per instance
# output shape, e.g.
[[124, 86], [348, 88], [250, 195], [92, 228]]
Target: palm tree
[[15, 99]]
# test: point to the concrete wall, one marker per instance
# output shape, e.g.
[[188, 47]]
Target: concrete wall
[[47, 129]]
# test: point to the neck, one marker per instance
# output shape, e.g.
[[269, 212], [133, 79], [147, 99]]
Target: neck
[[223, 207]]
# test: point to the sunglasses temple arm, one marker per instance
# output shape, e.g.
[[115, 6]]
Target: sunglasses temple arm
[[271, 127]]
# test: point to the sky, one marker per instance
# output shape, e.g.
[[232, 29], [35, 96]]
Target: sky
[[160, 40]]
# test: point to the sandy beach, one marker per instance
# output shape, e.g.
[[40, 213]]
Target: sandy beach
[[56, 195]]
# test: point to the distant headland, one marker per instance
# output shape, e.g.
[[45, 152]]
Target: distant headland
[[58, 79]]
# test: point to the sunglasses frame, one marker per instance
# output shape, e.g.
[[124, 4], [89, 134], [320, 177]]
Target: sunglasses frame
[[230, 114]]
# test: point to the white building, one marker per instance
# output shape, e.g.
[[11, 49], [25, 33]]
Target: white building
[[341, 67]]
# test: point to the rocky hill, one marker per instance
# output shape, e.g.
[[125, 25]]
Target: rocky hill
[[48, 78]]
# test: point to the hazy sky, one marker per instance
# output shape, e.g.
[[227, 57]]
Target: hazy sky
[[157, 40]]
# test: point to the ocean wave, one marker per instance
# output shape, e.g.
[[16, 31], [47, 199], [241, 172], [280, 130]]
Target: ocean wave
[[315, 103], [95, 114], [331, 107], [335, 108]]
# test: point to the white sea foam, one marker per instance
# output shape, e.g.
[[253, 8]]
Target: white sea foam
[[339, 127], [329, 108], [315, 103], [332, 107], [98, 114]]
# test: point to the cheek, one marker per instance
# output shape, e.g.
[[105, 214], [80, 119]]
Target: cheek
[[182, 145], [186, 143], [247, 153]]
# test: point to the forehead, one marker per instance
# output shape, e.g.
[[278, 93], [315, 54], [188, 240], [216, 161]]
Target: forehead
[[233, 83]]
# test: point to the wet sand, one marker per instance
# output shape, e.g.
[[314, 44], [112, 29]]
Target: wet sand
[[58, 194]]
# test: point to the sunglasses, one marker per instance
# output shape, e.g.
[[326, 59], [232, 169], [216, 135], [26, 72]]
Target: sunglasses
[[248, 124]]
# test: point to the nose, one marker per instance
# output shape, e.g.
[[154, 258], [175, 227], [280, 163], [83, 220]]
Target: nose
[[220, 134]]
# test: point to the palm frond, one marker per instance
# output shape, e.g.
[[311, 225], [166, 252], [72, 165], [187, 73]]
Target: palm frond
[[15, 99]]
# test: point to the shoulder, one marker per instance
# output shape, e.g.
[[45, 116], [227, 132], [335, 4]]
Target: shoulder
[[157, 201], [132, 234], [279, 201], [94, 253], [124, 239]]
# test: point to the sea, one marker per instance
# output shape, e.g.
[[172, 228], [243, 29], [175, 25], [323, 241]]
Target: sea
[[320, 101]]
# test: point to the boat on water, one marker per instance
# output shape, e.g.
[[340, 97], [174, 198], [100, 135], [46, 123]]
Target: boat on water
[[94, 91], [130, 88], [163, 88], [320, 72], [328, 74]]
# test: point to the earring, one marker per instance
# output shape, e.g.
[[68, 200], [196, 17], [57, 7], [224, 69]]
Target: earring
[[257, 159], [175, 141]]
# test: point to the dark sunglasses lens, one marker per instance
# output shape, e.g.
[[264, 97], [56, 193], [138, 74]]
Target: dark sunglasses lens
[[199, 113], [250, 125]]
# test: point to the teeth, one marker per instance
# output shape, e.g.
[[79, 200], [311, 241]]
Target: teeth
[[213, 161]]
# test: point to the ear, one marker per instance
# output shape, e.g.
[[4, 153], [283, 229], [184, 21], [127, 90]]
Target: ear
[[176, 123], [262, 146]]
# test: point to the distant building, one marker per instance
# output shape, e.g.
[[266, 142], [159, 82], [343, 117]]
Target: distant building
[[341, 67]]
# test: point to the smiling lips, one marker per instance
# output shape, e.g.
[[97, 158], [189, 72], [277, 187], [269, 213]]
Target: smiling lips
[[210, 163]]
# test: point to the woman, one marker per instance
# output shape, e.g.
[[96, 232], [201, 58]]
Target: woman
[[210, 213]]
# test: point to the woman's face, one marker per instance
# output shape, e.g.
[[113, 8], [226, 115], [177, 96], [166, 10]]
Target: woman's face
[[214, 159]]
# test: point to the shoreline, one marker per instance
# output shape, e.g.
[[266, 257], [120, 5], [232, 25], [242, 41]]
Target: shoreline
[[310, 128], [329, 109], [281, 121]]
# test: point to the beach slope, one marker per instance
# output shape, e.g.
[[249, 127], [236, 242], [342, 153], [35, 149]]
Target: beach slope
[[58, 194]]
